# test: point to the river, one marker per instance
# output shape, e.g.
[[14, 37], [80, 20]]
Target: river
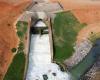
[[82, 67]]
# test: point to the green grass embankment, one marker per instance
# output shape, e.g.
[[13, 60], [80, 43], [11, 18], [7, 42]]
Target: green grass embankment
[[65, 30]]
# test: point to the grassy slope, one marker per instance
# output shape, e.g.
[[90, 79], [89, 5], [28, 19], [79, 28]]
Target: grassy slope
[[17, 67], [65, 29]]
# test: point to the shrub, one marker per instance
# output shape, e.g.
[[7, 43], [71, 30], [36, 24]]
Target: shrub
[[21, 27], [93, 37], [13, 50], [20, 34]]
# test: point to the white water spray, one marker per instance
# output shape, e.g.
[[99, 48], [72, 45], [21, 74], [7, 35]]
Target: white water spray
[[40, 61]]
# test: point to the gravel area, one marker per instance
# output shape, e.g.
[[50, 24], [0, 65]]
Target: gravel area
[[81, 51], [92, 73]]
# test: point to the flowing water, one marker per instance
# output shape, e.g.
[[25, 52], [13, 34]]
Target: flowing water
[[40, 61], [40, 66]]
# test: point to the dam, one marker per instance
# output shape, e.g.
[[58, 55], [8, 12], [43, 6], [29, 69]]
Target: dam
[[40, 66], [40, 62]]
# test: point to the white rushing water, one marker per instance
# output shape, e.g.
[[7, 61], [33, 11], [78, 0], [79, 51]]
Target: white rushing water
[[52, 71], [40, 50], [40, 61]]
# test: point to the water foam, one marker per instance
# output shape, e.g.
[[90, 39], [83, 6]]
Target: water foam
[[52, 71]]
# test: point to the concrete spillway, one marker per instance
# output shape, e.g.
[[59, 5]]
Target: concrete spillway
[[40, 50], [40, 66]]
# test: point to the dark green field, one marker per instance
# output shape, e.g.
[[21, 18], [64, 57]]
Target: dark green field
[[65, 30], [16, 69]]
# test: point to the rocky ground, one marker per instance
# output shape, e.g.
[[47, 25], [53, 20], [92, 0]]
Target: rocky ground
[[94, 72], [81, 50]]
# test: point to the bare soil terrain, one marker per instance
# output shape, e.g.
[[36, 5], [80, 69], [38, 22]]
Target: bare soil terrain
[[87, 15], [14, 2], [85, 33], [78, 4], [8, 38], [92, 18]]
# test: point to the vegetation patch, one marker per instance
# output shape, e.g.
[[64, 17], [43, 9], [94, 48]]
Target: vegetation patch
[[21, 29], [13, 50], [94, 36], [21, 47], [65, 30], [17, 67]]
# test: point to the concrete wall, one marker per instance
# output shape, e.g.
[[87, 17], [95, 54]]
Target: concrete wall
[[46, 7]]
